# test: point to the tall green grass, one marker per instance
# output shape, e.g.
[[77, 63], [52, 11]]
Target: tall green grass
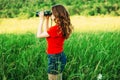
[[23, 57]]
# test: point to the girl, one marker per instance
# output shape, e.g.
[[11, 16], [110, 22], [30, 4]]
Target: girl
[[55, 36]]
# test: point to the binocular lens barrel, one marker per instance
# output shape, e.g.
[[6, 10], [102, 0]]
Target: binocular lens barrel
[[46, 13]]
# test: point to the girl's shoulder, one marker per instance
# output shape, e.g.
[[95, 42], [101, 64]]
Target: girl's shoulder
[[55, 27]]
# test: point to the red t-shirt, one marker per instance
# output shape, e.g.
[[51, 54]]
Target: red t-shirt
[[55, 41]]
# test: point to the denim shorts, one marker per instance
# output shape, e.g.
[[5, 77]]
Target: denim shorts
[[56, 63]]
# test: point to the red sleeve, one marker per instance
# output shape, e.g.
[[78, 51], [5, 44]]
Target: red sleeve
[[52, 32]]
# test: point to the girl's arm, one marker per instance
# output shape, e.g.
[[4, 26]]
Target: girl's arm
[[43, 34], [46, 23]]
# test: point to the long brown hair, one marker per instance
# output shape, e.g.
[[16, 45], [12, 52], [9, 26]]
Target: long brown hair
[[62, 19]]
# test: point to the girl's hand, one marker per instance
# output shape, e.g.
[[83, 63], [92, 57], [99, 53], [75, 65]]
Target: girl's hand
[[41, 15], [47, 17]]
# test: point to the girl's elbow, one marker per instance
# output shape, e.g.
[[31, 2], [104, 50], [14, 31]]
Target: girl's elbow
[[38, 36]]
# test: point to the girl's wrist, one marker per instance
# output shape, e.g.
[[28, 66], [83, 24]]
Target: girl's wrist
[[47, 20], [41, 20]]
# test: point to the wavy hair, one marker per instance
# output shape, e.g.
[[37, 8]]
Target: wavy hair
[[62, 19]]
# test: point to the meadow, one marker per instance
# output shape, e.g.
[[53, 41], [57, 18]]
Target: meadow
[[93, 49]]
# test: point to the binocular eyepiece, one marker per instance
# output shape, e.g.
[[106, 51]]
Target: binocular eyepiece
[[46, 13]]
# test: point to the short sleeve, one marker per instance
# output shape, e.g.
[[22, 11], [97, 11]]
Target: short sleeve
[[52, 32]]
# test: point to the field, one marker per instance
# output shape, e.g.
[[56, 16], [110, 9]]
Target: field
[[92, 50]]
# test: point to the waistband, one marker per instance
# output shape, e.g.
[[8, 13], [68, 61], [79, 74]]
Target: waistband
[[57, 54]]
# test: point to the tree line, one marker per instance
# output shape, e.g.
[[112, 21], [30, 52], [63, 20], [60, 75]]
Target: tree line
[[28, 8]]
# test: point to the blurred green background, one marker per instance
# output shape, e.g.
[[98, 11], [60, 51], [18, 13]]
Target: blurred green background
[[27, 8]]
